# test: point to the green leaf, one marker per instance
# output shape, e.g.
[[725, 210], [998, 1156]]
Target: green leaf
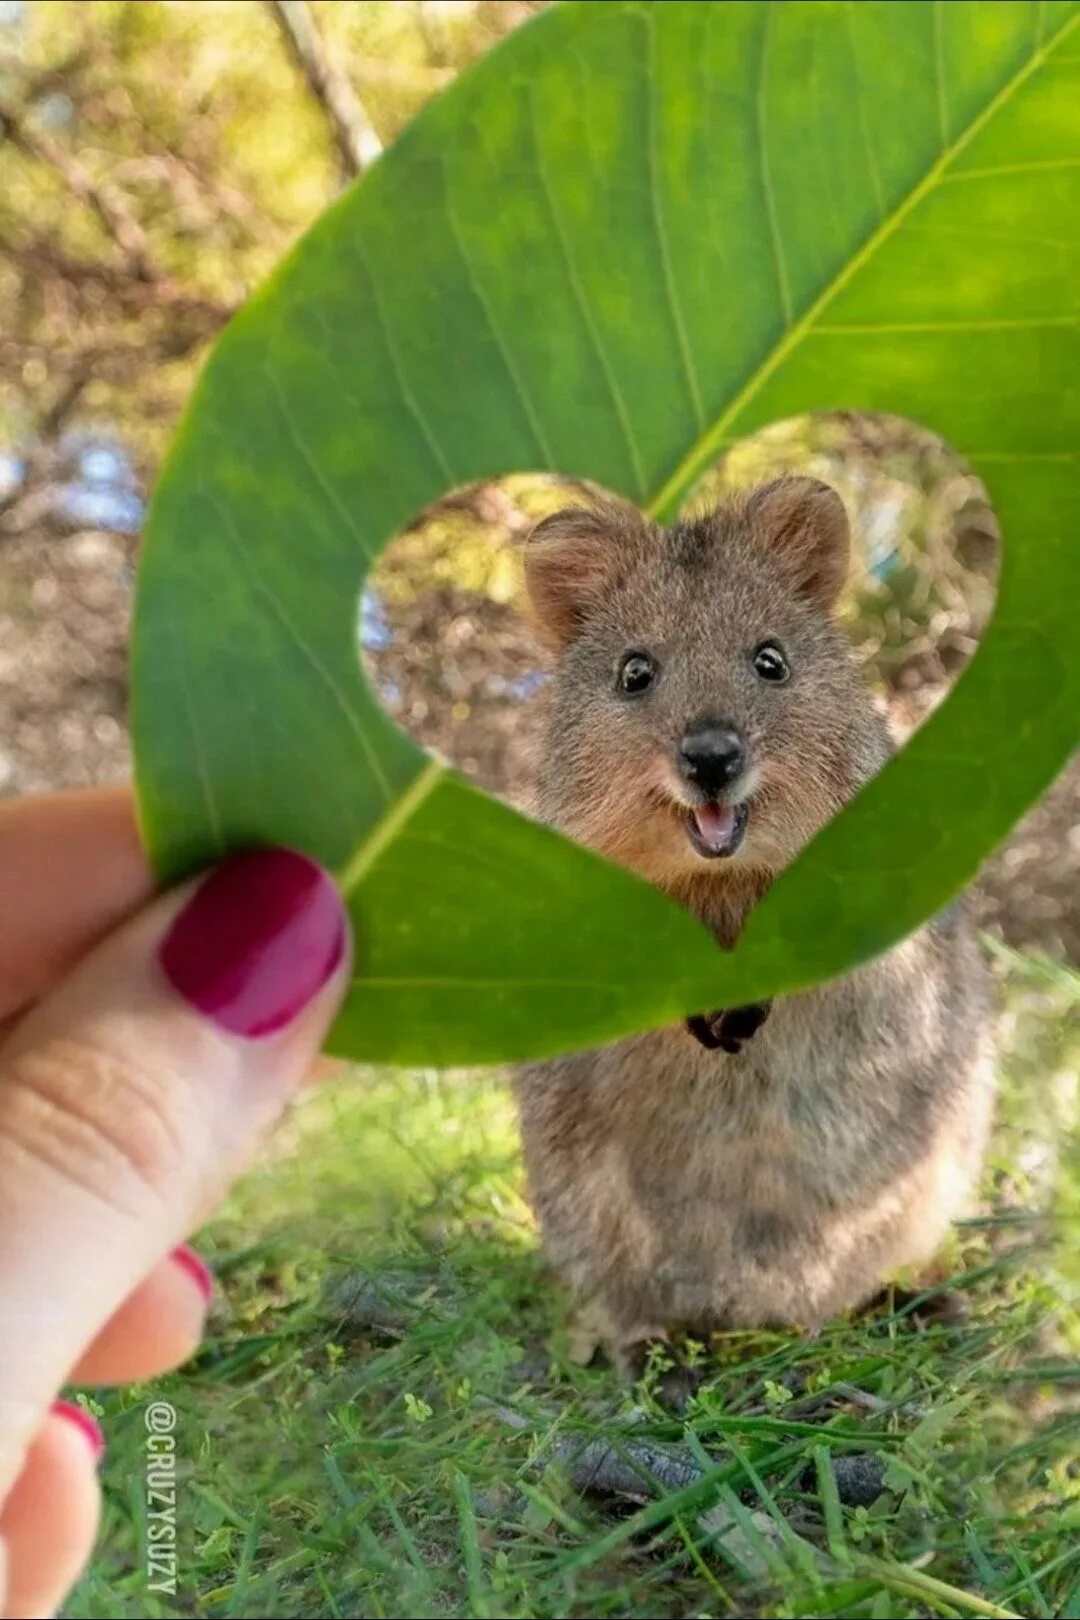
[[629, 236]]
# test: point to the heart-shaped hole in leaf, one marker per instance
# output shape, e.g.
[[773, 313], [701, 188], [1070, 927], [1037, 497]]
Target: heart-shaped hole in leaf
[[448, 641], [451, 644], [630, 236]]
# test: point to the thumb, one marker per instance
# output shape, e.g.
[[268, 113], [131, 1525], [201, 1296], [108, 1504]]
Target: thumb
[[130, 1095]]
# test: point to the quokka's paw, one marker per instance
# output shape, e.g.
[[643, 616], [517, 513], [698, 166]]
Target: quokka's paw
[[925, 1308], [726, 1029]]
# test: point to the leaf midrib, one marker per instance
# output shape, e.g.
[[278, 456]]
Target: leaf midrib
[[388, 827], [706, 448]]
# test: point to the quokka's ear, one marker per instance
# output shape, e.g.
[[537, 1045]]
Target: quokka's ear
[[572, 559], [803, 525]]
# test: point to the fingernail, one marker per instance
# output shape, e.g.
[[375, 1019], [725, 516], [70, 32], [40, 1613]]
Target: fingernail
[[256, 941], [196, 1267], [87, 1425]]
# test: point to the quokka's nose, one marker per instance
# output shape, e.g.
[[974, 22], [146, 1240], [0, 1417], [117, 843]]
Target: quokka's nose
[[712, 756]]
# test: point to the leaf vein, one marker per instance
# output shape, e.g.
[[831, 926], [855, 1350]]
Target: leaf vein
[[939, 76], [309, 655], [700, 454], [449, 982], [583, 304], [860, 105], [693, 386], [1030, 166], [411, 402], [528, 409], [310, 463], [1032, 323], [213, 817], [779, 258]]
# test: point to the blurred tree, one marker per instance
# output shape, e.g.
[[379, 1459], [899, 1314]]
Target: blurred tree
[[352, 130], [155, 161]]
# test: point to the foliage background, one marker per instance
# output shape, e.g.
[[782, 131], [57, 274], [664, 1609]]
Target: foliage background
[[155, 161]]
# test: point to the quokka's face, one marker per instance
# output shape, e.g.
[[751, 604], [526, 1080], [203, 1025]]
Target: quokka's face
[[701, 689]]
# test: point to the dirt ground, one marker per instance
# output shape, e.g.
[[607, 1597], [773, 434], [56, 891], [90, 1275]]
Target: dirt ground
[[454, 667]]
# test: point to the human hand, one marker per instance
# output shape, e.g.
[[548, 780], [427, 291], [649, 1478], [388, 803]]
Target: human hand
[[146, 1044]]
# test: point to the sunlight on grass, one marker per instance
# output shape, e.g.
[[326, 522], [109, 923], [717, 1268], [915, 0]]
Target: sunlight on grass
[[381, 1422]]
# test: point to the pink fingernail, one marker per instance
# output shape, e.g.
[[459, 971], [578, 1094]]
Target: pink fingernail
[[196, 1267], [87, 1425], [257, 941]]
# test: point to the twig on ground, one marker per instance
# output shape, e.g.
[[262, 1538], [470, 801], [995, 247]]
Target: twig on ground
[[630, 1468], [871, 1403]]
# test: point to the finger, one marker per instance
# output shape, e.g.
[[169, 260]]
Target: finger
[[71, 869], [326, 1068], [131, 1095], [50, 1519], [156, 1328]]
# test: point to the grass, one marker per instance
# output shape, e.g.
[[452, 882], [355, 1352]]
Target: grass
[[420, 1451]]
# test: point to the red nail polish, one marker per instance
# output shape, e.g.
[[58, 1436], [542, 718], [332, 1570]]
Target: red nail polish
[[256, 941], [87, 1425], [196, 1268]]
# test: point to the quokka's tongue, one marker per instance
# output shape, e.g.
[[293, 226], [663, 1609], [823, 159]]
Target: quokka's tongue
[[715, 824]]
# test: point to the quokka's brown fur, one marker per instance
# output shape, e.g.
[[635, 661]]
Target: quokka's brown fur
[[683, 1187]]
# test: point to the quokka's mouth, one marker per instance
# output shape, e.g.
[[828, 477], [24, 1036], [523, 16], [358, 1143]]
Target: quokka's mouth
[[716, 830]]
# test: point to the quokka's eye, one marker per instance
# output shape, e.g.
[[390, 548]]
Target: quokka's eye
[[637, 672], [770, 662]]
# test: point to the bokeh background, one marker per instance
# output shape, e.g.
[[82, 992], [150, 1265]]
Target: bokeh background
[[156, 159]]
